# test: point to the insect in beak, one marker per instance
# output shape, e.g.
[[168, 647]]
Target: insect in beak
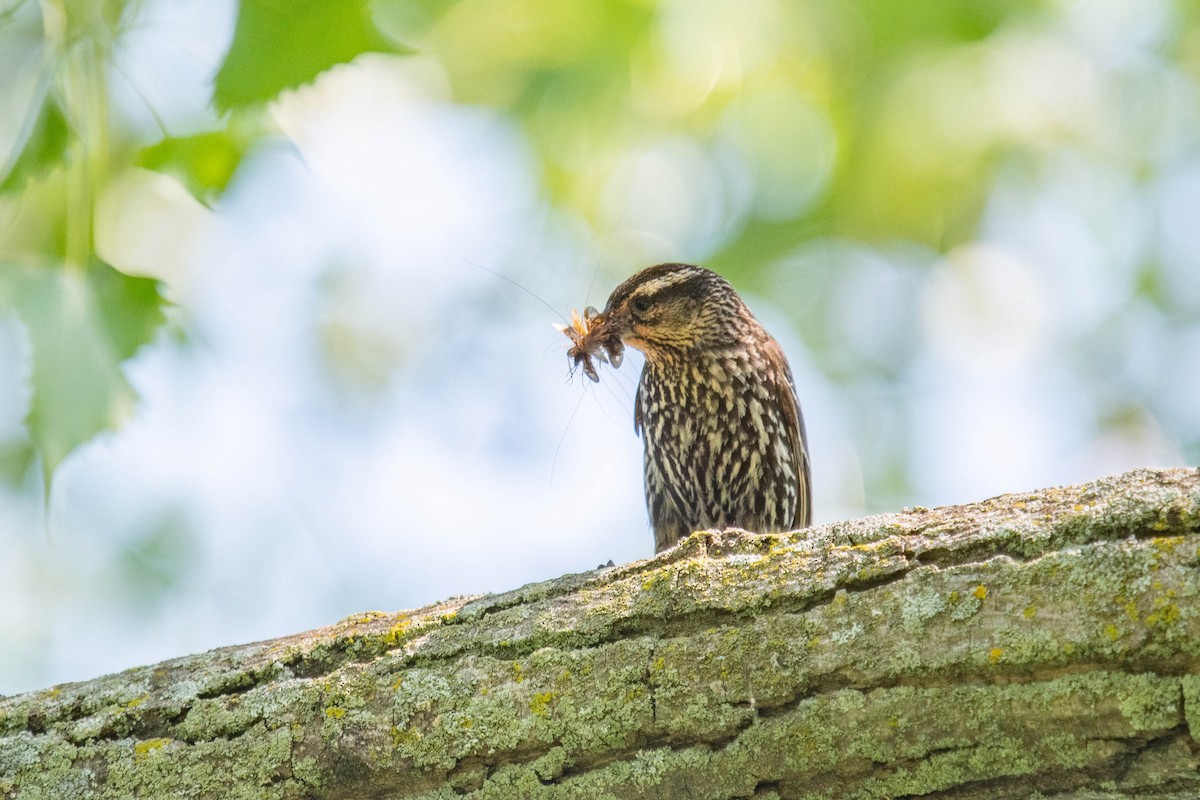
[[591, 339]]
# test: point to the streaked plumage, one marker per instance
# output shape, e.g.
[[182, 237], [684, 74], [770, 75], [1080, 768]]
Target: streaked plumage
[[724, 438]]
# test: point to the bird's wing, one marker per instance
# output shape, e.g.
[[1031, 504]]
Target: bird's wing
[[785, 394], [637, 410]]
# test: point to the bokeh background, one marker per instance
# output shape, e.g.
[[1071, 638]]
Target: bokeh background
[[277, 280]]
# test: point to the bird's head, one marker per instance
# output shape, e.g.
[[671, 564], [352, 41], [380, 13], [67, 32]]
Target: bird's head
[[674, 309]]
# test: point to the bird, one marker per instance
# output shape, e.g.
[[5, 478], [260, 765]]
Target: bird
[[723, 435]]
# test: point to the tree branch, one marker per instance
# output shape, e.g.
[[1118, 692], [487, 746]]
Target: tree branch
[[1043, 642]]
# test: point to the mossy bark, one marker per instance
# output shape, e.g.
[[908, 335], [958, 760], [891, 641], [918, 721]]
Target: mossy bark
[[1034, 643]]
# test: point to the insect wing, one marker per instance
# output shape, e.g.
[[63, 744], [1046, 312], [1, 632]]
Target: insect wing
[[616, 353]]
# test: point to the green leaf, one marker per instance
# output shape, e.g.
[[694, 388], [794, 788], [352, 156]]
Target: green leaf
[[43, 150], [16, 461], [203, 163], [82, 324], [281, 44], [130, 308]]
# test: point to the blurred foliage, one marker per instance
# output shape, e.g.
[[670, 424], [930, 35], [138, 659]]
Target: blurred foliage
[[82, 324], [203, 163], [44, 149], [161, 558], [83, 317], [872, 121], [280, 44]]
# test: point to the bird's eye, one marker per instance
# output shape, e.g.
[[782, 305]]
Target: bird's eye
[[640, 304]]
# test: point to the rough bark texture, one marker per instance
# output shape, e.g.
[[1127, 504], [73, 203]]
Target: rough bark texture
[[1034, 643]]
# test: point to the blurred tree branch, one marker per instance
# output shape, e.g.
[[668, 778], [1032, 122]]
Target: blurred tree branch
[[1042, 642]]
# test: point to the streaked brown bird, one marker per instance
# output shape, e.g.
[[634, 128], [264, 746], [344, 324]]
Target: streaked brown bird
[[716, 406]]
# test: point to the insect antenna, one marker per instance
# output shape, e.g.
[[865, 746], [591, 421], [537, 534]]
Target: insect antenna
[[600, 258], [613, 393], [563, 438], [625, 382], [504, 277]]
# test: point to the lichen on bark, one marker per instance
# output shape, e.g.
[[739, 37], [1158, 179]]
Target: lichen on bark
[[1045, 642]]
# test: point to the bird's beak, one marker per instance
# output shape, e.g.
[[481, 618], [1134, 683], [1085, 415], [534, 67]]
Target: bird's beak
[[618, 324], [613, 323]]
